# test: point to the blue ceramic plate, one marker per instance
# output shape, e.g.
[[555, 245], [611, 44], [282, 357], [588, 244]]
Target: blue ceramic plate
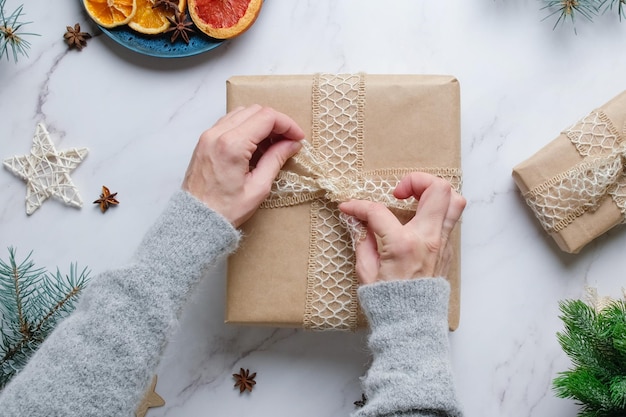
[[160, 45]]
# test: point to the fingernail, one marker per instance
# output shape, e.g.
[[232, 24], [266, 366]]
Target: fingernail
[[296, 145]]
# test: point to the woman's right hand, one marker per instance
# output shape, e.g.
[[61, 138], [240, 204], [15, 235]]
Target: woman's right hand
[[420, 248]]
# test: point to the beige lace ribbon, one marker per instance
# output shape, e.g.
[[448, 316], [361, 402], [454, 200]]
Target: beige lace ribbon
[[560, 200], [333, 163]]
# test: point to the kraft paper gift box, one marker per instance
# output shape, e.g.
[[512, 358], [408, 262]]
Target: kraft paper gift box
[[294, 266], [575, 185]]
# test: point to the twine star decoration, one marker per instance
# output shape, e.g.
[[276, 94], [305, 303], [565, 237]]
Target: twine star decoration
[[47, 171], [150, 400]]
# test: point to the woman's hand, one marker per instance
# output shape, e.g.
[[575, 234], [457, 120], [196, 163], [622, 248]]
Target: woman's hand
[[236, 161], [392, 251]]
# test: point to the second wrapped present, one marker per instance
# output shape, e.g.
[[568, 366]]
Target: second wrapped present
[[576, 185]]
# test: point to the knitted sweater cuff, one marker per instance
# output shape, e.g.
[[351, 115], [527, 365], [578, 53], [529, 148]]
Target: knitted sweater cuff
[[389, 301], [411, 372]]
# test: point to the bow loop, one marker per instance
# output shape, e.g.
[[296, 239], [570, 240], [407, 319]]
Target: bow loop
[[291, 188]]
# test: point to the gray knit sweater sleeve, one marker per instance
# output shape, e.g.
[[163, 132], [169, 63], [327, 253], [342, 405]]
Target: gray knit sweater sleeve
[[100, 359], [411, 372]]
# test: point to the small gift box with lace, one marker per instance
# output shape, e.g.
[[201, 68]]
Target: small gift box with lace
[[576, 185], [295, 265]]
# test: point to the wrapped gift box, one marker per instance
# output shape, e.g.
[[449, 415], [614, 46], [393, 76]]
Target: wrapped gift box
[[575, 184], [400, 123]]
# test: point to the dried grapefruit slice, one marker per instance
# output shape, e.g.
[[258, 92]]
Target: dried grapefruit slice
[[152, 16], [110, 13], [224, 19]]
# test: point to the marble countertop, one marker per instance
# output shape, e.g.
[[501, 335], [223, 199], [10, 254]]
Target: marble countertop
[[521, 84]]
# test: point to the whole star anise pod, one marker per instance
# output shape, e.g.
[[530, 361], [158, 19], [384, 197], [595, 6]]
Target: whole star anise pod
[[180, 27], [75, 38], [106, 199], [244, 380]]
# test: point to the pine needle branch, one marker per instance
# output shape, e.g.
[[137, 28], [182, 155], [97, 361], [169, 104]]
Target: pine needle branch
[[71, 286], [620, 6], [19, 301], [569, 9], [32, 302], [595, 341], [11, 35]]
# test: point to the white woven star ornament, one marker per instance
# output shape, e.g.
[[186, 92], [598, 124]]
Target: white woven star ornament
[[47, 171]]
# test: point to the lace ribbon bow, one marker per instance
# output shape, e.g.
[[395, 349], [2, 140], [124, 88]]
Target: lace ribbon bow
[[291, 188], [560, 200]]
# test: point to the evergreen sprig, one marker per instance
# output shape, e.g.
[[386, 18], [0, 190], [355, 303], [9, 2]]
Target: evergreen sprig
[[619, 5], [11, 34], [596, 343], [32, 302], [569, 9]]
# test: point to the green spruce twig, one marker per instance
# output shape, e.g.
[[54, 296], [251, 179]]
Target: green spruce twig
[[596, 343], [619, 5], [11, 34], [32, 302], [569, 9]]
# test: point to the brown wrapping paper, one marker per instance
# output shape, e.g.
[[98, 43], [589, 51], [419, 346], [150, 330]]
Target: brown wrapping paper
[[410, 121], [560, 155]]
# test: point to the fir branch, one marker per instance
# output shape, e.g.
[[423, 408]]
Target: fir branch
[[32, 302], [11, 35], [618, 392], [71, 286], [607, 5], [569, 9], [595, 341], [584, 386], [17, 282], [587, 338]]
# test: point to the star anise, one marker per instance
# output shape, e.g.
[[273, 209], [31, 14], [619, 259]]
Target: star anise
[[360, 403], [244, 380], [166, 5], [180, 27], [75, 38], [106, 199]]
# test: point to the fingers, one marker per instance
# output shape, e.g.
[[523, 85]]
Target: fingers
[[440, 207], [417, 183], [367, 259], [434, 196], [455, 209], [378, 218], [272, 161], [255, 123], [233, 118], [419, 248]]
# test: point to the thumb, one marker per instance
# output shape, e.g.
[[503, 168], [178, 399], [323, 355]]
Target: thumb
[[273, 160]]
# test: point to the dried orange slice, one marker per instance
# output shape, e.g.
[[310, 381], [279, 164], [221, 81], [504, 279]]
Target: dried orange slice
[[224, 19], [110, 13], [152, 15]]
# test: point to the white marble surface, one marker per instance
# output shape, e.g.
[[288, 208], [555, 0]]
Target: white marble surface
[[521, 83]]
